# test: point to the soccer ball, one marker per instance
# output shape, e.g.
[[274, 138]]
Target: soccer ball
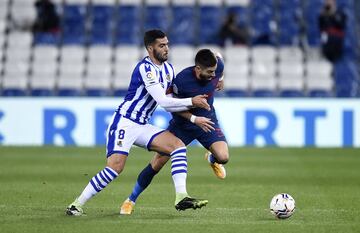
[[282, 205]]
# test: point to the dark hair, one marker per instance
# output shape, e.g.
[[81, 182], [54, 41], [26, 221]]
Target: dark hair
[[151, 35], [205, 58]]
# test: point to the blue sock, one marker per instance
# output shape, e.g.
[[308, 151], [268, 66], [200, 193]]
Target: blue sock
[[143, 180], [212, 159]]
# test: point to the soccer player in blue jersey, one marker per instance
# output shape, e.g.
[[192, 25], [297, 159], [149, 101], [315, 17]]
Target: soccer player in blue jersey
[[203, 78], [151, 79]]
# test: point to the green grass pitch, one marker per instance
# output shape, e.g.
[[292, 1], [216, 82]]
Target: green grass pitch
[[37, 183]]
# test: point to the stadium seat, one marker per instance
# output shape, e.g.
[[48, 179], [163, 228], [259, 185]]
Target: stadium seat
[[121, 81], [44, 69], [210, 19], [291, 85], [46, 38], [71, 67], [236, 79], [23, 13], [346, 78], [45, 53], [319, 81], [128, 23], [126, 58], [42, 85], [289, 13], [18, 39], [182, 56], [101, 24], [263, 85], [291, 69], [262, 79], [73, 28], [263, 54], [72, 54], [156, 15], [262, 22], [14, 85], [16, 69], [70, 84], [98, 80], [98, 66], [321, 68], [263, 68], [289, 32], [3, 9], [319, 87], [312, 10], [19, 57], [290, 54], [241, 9], [242, 3], [236, 54], [183, 26], [129, 54], [99, 54]]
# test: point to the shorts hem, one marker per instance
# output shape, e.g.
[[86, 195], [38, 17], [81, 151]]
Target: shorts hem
[[152, 138], [117, 152]]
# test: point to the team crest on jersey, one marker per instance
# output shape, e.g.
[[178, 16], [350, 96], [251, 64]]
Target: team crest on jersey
[[119, 143], [168, 77], [149, 75]]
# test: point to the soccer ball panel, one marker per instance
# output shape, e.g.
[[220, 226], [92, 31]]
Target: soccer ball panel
[[282, 205]]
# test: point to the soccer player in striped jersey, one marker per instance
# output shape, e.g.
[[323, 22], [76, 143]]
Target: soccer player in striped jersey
[[151, 79], [203, 78]]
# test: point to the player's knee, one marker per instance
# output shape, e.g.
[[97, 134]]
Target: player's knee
[[223, 158], [177, 143], [117, 163], [223, 161], [117, 166]]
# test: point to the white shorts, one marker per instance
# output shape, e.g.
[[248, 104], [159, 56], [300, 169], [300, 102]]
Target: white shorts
[[122, 133]]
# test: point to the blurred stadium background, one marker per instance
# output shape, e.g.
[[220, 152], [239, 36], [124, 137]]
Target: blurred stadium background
[[100, 41]]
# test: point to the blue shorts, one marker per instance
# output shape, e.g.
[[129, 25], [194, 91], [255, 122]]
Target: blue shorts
[[188, 135]]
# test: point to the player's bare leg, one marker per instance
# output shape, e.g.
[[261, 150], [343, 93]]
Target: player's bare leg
[[217, 157]]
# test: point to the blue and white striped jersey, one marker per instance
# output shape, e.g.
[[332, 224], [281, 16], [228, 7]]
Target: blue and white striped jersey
[[138, 104]]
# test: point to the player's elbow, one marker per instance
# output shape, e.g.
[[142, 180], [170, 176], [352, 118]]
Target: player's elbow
[[165, 104]]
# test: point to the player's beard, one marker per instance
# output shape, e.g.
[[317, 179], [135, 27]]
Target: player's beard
[[158, 56], [205, 78]]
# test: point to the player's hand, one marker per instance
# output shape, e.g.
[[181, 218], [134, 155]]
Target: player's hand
[[200, 101], [220, 85], [204, 123]]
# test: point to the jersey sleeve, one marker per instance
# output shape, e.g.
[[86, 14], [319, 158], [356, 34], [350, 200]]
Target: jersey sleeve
[[220, 67], [148, 75], [177, 87]]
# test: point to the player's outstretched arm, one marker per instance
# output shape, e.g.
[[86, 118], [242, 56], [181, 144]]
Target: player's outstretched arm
[[200, 101], [203, 122], [165, 102], [157, 92]]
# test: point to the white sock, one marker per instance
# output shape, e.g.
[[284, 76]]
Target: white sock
[[179, 169], [97, 183]]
